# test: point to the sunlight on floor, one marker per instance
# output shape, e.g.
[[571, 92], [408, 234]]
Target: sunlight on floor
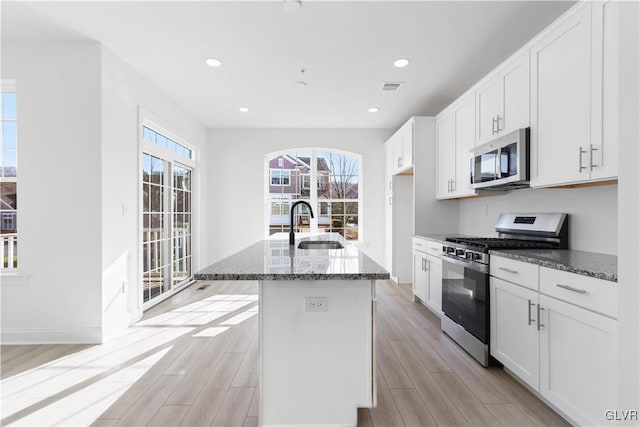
[[76, 389]]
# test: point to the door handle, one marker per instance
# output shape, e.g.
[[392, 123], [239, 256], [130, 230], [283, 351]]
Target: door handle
[[580, 153], [540, 325], [529, 313]]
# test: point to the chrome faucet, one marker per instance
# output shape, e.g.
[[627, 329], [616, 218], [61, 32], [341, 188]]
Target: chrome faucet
[[292, 235]]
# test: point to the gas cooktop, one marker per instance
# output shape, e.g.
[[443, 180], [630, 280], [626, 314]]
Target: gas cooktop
[[486, 243]]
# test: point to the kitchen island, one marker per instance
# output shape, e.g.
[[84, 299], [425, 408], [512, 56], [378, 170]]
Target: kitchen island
[[316, 325]]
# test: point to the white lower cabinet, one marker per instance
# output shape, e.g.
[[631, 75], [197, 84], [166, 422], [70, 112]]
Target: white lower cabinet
[[514, 329], [434, 267], [578, 361], [427, 274], [420, 275], [555, 339]]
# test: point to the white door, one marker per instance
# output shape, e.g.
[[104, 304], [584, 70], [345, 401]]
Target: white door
[[445, 146], [434, 267], [514, 332], [465, 130], [560, 101], [578, 361], [420, 275], [487, 98], [514, 98]]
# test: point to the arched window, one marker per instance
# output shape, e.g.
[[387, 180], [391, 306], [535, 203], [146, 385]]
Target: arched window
[[336, 195]]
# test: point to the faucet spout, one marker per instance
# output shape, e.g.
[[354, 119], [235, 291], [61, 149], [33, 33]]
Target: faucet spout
[[292, 235]]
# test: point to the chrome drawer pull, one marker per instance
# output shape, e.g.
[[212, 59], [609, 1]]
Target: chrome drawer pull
[[529, 314], [569, 288], [434, 249], [508, 270], [580, 153]]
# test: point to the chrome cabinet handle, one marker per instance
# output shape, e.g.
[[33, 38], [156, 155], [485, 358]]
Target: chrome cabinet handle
[[448, 186], [580, 153], [540, 325], [453, 185], [569, 288], [591, 165], [434, 249], [493, 126], [529, 313], [427, 265], [498, 128], [390, 200], [508, 270], [399, 161], [390, 183]]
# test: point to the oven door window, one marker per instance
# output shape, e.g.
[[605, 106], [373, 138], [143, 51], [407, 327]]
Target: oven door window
[[509, 160], [484, 167], [465, 298]]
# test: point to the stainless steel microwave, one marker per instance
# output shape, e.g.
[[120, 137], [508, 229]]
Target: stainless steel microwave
[[503, 163]]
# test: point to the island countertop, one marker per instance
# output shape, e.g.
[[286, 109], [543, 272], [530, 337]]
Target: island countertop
[[274, 259]]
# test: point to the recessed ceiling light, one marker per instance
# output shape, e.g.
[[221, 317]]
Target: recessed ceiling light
[[292, 5], [301, 84], [373, 109], [212, 62], [401, 63], [243, 109]]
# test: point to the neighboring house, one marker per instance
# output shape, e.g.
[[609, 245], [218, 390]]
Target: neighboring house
[[8, 223], [290, 179]]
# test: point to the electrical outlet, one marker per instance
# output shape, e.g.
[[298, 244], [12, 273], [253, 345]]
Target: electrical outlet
[[315, 304]]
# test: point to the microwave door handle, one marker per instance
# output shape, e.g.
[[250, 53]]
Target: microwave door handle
[[498, 163]]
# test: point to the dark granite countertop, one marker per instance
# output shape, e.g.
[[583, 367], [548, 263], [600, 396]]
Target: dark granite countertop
[[600, 266], [273, 259]]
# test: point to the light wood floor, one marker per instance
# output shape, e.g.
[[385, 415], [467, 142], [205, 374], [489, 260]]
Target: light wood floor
[[192, 361]]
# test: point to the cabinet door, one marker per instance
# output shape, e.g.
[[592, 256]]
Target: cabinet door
[[398, 163], [560, 101], [487, 99], [407, 144], [604, 142], [465, 127], [514, 333], [388, 166], [420, 275], [445, 155], [514, 98], [434, 268], [578, 361]]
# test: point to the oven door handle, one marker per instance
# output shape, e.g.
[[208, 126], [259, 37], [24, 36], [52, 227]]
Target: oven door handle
[[481, 268]]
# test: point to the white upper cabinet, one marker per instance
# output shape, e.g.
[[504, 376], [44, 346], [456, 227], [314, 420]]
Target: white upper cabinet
[[445, 154], [465, 130], [574, 97], [455, 136], [605, 139], [388, 166], [561, 90], [487, 98], [402, 142], [502, 99]]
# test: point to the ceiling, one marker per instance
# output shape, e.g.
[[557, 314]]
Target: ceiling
[[346, 48]]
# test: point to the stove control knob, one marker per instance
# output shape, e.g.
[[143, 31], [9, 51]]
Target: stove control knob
[[460, 252]]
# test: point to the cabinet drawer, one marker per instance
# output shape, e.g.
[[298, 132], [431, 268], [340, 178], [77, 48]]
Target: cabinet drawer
[[593, 294], [434, 248], [522, 273], [419, 244]]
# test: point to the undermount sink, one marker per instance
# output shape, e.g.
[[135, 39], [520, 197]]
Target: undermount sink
[[320, 244]]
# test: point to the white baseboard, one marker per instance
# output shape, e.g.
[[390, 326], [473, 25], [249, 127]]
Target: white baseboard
[[51, 336]]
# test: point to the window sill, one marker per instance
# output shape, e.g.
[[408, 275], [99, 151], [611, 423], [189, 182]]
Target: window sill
[[14, 278]]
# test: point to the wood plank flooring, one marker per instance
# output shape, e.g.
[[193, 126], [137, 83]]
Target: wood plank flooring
[[192, 361]]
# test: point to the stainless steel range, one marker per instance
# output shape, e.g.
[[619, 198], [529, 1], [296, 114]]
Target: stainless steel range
[[465, 273]]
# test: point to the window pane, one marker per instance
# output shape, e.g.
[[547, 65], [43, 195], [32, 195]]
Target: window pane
[[8, 196], [171, 145], [148, 134], [161, 140], [146, 198], [9, 139], [157, 170], [8, 106], [9, 163], [146, 168]]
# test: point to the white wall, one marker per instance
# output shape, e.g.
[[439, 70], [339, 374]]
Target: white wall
[[124, 91], [78, 185], [592, 222], [236, 173], [58, 95]]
